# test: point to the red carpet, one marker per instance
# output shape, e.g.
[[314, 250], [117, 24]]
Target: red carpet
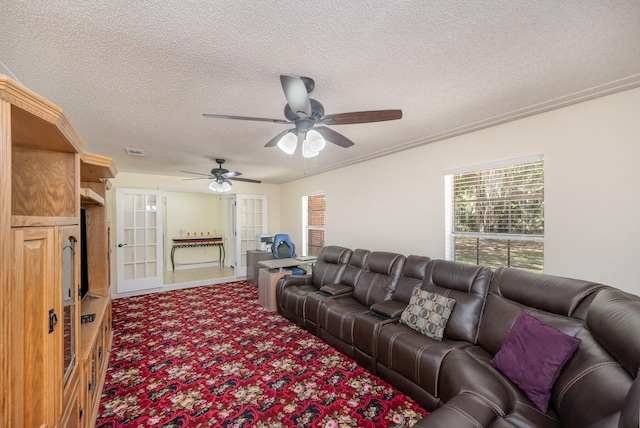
[[213, 357]]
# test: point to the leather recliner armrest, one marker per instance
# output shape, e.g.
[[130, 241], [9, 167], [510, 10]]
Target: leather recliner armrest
[[388, 308], [336, 289], [288, 280], [292, 280]]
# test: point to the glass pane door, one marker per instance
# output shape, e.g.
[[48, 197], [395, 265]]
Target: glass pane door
[[69, 299], [252, 221], [139, 230]]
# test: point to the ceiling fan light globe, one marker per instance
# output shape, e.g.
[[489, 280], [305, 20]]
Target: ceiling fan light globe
[[288, 143], [306, 150], [219, 187], [316, 141]]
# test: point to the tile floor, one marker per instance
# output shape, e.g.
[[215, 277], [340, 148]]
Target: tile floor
[[215, 273]]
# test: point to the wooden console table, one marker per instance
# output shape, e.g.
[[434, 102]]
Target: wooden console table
[[267, 281], [269, 275], [205, 241]]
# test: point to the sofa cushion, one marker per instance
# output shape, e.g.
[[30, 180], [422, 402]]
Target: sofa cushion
[[291, 301], [468, 286], [414, 356], [366, 328], [330, 266], [554, 294], [614, 317], [413, 274], [378, 281], [592, 368], [356, 265], [551, 299], [532, 356], [428, 313], [336, 316]]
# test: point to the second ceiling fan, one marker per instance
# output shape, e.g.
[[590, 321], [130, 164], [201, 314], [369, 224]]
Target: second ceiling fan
[[307, 116]]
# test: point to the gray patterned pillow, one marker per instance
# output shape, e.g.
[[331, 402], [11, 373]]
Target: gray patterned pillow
[[427, 313]]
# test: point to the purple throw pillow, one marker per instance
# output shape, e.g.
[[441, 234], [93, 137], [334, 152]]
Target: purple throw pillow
[[532, 356]]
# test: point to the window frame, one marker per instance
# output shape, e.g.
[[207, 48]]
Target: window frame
[[508, 238], [305, 221]]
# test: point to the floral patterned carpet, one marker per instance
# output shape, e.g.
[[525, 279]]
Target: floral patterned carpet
[[213, 357]]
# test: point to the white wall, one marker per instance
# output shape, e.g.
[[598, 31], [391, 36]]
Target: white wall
[[193, 214], [592, 200]]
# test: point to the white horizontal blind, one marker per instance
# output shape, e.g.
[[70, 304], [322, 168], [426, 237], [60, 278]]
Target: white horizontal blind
[[495, 214]]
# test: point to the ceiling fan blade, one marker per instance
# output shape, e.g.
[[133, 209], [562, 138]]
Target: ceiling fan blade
[[257, 119], [333, 137], [248, 180], [196, 173], [274, 140], [296, 93], [199, 178], [231, 174], [361, 117]]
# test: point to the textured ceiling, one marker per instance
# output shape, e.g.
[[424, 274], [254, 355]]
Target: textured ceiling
[[141, 73]]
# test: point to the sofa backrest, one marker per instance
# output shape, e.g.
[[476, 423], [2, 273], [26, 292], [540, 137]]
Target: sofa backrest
[[378, 281], [468, 286], [614, 320], [330, 266], [355, 266], [554, 300], [413, 273], [596, 384]]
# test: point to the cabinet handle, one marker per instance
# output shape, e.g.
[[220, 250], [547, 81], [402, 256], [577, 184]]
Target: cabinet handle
[[81, 412], [53, 320]]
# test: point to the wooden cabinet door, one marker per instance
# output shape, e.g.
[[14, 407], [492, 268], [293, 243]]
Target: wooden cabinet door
[[73, 411], [35, 364], [67, 306]]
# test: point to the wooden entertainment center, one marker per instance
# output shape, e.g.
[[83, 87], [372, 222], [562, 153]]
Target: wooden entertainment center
[[52, 365]]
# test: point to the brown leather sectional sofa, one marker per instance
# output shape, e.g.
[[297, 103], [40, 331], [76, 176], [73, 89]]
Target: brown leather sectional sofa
[[354, 301]]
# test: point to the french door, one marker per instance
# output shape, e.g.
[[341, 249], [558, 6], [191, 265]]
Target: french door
[[251, 221], [139, 239]]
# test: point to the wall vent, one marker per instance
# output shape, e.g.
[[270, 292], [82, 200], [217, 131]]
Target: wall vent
[[134, 152]]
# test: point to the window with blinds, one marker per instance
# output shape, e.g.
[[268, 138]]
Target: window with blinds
[[313, 223], [495, 214]]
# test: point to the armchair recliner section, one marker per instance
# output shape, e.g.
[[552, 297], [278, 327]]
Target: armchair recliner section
[[292, 291]]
